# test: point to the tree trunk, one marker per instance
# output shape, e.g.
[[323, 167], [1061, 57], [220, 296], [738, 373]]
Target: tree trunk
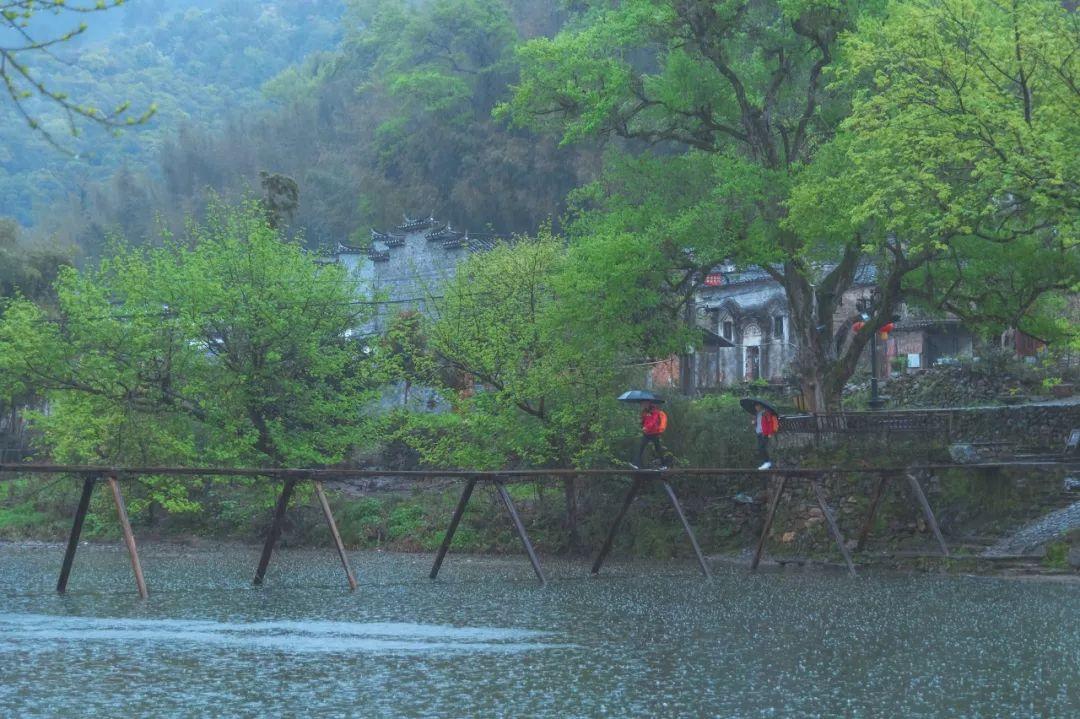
[[821, 363], [807, 328], [572, 489]]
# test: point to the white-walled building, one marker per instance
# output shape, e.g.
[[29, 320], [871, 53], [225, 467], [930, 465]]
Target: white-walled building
[[405, 268], [748, 334]]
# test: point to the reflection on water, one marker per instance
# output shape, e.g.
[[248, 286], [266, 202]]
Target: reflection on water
[[642, 641], [30, 631]]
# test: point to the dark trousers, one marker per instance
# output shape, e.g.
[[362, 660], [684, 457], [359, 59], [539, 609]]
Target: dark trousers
[[658, 448], [763, 448]]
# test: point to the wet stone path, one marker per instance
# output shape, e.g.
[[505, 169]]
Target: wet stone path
[[1045, 529]]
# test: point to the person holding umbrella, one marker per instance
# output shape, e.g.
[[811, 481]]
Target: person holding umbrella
[[766, 422], [653, 425]]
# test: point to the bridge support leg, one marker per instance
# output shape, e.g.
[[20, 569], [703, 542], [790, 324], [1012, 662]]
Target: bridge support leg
[[76, 531], [129, 537], [454, 521], [686, 526], [275, 529], [522, 535], [338, 544], [830, 520], [606, 549], [916, 488], [769, 517], [875, 501]]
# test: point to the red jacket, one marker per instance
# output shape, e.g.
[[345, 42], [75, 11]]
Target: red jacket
[[770, 423], [653, 422]]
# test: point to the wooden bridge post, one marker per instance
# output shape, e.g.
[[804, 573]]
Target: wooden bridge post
[[609, 542], [76, 530], [875, 500], [522, 535], [686, 526], [830, 520], [129, 536], [454, 521], [916, 488], [774, 502], [335, 535], [275, 529]]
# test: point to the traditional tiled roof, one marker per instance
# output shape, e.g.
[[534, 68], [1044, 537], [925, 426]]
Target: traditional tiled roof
[[711, 339], [411, 225], [448, 238], [726, 276], [443, 234], [745, 277], [481, 244], [387, 238], [926, 323]]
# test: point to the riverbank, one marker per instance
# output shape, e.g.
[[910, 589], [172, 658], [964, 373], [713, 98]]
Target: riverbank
[[976, 510], [727, 520], [1022, 567]]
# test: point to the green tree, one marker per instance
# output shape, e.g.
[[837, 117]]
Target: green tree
[[23, 83], [436, 71], [228, 347], [962, 143], [27, 270], [736, 96], [542, 399]]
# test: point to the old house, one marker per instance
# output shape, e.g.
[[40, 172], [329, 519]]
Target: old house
[[747, 334], [404, 270], [920, 341], [405, 267]]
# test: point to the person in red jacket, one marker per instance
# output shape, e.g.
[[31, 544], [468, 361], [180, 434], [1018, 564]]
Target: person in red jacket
[[653, 425], [765, 425]]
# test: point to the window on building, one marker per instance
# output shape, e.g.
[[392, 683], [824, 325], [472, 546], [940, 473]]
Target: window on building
[[728, 331], [778, 327]]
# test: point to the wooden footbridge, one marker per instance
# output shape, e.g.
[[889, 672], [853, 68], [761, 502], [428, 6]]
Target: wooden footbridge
[[781, 480]]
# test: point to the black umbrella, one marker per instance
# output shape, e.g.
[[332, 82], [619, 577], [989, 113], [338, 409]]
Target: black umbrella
[[749, 402], [639, 395]]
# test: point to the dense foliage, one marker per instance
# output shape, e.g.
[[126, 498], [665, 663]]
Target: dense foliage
[[396, 118], [632, 147], [228, 346], [196, 62], [26, 39], [812, 137], [963, 143]]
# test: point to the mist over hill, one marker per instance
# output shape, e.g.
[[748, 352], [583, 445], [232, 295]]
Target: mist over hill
[[198, 61]]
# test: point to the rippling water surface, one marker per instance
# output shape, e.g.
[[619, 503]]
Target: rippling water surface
[[644, 640]]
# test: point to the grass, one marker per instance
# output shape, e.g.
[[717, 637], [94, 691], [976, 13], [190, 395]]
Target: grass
[[1057, 556]]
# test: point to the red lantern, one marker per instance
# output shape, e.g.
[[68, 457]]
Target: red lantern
[[857, 326], [886, 329]]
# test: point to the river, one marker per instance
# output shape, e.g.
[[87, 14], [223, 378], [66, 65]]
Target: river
[[643, 640]]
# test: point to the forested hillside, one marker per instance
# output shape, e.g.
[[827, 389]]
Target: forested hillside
[[797, 136], [863, 155], [375, 109], [397, 119], [199, 61]]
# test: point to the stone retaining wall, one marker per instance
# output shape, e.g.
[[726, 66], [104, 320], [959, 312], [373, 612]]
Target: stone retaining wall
[[1043, 427]]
